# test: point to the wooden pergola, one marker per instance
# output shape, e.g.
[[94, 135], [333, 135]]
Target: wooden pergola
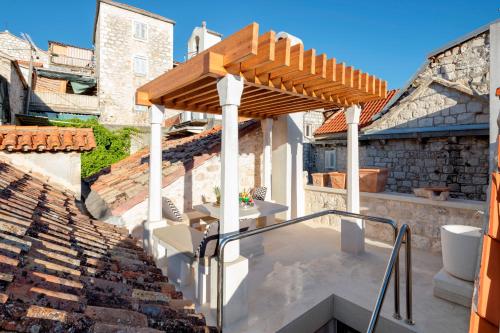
[[272, 79], [279, 78]]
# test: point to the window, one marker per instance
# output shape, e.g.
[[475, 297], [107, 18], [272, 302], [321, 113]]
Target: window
[[308, 130], [140, 31], [330, 159], [140, 65]]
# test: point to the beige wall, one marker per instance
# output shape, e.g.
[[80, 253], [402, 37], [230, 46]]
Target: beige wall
[[60, 168], [424, 216], [115, 49]]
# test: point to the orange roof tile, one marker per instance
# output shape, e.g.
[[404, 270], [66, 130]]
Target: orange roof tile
[[337, 123], [498, 91], [125, 183], [46, 138], [62, 271]]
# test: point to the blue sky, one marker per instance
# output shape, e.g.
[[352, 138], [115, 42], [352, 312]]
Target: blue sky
[[387, 38]]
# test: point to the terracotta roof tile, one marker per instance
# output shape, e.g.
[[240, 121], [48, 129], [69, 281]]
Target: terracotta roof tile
[[125, 183], [337, 123], [50, 138], [62, 271], [498, 91]]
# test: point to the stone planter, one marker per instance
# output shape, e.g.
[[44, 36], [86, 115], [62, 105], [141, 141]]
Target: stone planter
[[319, 179], [336, 179], [373, 179], [460, 246]]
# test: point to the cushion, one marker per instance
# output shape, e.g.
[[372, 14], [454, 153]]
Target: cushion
[[170, 211], [259, 193]]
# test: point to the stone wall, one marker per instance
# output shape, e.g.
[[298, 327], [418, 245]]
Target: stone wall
[[453, 89], [315, 119], [197, 184], [19, 49], [460, 163], [424, 216], [115, 49], [15, 86]]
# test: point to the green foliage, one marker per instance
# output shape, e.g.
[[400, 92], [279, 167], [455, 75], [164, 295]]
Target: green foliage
[[112, 146]]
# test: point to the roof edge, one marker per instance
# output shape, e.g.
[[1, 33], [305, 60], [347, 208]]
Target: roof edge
[[129, 8], [463, 38]]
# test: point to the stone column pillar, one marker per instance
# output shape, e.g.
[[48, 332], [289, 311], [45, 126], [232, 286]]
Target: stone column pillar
[[352, 230], [230, 89], [235, 300], [155, 175]]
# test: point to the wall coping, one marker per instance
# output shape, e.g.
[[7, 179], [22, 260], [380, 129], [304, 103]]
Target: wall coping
[[405, 197]]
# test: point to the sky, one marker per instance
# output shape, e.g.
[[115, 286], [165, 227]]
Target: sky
[[389, 39]]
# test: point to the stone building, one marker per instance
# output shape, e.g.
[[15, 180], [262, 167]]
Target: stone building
[[435, 130], [132, 46], [12, 88]]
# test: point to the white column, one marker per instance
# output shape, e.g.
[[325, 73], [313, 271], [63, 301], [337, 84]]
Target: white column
[[155, 175], [230, 89], [352, 230], [267, 133], [235, 286], [296, 138]]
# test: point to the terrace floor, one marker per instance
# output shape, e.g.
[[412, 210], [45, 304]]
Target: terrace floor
[[303, 264]]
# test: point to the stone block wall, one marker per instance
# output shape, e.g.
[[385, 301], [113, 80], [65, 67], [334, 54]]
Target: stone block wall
[[452, 89], [15, 86], [115, 49], [460, 163], [19, 49], [424, 216], [197, 184]]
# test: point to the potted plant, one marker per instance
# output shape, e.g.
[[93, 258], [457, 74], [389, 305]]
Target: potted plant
[[217, 195]]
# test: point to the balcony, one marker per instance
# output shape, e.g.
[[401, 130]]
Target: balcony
[[64, 103]]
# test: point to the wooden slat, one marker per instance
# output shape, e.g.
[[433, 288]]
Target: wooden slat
[[296, 62], [282, 51], [265, 52], [183, 75]]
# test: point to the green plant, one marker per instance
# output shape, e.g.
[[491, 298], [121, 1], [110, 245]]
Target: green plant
[[111, 146]]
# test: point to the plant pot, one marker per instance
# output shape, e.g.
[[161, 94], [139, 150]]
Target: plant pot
[[460, 246], [319, 179], [336, 179], [373, 179]]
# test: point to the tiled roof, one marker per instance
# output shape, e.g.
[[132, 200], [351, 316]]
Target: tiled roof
[[125, 183], [498, 91], [337, 122], [50, 138], [61, 271]]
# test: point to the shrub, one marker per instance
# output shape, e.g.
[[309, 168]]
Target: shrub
[[111, 146]]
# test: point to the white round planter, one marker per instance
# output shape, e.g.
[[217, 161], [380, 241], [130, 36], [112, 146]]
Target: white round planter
[[460, 246]]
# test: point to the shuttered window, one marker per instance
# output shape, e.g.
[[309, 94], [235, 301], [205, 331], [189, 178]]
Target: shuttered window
[[330, 159], [140, 31], [140, 65]]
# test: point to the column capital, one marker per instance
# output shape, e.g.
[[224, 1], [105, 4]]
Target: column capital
[[230, 88], [156, 113], [352, 114]]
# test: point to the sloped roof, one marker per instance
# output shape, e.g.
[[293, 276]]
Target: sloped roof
[[337, 123], [62, 271], [125, 183], [45, 138]]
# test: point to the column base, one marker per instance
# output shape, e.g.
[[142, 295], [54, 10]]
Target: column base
[[235, 289], [149, 227], [352, 235]]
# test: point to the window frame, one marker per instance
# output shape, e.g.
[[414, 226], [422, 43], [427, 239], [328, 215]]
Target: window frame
[[328, 154], [146, 30], [311, 131], [145, 59]]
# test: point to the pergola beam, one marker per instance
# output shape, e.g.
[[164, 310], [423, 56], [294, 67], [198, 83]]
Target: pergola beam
[[277, 76]]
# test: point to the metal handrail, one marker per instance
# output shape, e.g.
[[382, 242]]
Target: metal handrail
[[229, 237], [404, 231]]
